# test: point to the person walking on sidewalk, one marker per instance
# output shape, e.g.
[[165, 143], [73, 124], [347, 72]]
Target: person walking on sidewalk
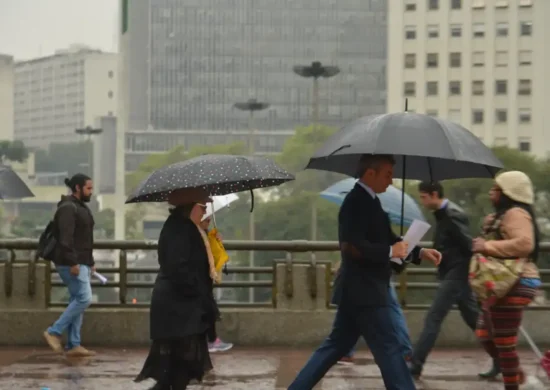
[[452, 238], [73, 258]]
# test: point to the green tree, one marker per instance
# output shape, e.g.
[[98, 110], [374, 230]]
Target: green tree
[[105, 223], [64, 157], [13, 151]]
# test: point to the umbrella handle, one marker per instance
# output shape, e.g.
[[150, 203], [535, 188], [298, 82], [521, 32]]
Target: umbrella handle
[[251, 200]]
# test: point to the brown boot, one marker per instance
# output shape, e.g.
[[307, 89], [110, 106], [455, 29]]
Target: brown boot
[[54, 342], [79, 352]]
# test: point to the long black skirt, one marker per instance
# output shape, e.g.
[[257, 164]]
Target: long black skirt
[[175, 363]]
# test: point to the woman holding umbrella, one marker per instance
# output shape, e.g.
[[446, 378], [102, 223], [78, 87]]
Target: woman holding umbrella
[[183, 309]]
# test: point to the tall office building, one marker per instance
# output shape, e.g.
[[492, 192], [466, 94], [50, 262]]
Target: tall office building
[[188, 61], [481, 63], [57, 94], [6, 97]]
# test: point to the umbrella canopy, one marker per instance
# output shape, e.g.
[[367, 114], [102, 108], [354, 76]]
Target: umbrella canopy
[[426, 148], [218, 203], [391, 201], [11, 185], [217, 174]]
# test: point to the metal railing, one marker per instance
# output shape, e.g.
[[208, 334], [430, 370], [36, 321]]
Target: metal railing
[[290, 247]]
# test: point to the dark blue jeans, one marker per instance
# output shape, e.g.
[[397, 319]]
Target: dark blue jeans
[[378, 328], [401, 324]]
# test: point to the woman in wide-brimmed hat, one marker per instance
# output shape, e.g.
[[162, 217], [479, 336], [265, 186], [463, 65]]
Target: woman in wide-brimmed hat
[[183, 309], [515, 236]]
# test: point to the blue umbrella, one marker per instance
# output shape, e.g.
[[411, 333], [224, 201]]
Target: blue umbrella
[[391, 201]]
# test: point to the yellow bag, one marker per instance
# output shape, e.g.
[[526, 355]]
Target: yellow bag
[[218, 251]]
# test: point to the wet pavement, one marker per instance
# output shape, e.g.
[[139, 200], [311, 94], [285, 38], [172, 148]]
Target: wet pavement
[[239, 369]]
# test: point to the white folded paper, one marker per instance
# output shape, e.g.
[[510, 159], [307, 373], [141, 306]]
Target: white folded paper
[[102, 279], [416, 231]]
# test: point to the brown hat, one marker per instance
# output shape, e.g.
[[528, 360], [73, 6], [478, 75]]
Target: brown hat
[[187, 196]]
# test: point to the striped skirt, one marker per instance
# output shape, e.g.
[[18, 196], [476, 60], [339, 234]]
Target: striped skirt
[[498, 327]]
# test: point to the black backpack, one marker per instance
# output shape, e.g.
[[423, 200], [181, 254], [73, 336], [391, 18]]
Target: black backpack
[[48, 241]]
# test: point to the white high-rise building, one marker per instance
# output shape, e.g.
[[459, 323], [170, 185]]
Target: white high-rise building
[[6, 97], [481, 63], [57, 94]]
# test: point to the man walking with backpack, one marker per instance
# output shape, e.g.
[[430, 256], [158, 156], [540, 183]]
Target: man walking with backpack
[[73, 226]]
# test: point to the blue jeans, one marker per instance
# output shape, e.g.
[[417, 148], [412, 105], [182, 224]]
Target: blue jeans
[[378, 328], [401, 324], [80, 292]]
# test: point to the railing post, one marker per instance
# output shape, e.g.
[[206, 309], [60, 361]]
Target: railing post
[[312, 277], [123, 276], [403, 288], [48, 283], [32, 275], [289, 277], [8, 274]]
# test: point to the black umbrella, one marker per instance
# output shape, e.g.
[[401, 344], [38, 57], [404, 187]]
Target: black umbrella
[[11, 185], [425, 147], [215, 173]]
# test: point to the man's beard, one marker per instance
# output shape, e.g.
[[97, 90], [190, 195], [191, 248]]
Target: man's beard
[[85, 199]]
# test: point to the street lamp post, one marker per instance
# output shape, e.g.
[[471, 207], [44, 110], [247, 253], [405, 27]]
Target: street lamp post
[[252, 105], [315, 71], [89, 132]]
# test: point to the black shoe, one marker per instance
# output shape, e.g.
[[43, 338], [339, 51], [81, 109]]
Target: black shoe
[[415, 369], [492, 373]]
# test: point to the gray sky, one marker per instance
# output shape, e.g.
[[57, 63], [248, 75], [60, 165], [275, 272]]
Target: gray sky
[[33, 28]]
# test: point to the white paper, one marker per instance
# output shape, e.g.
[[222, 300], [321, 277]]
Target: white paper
[[414, 235], [100, 277]]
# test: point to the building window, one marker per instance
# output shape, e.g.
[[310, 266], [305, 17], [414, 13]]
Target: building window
[[456, 4], [410, 5], [502, 29], [432, 60], [410, 61], [478, 30], [431, 113], [454, 88], [433, 31], [478, 3], [110, 94], [524, 115], [501, 87], [455, 116], [501, 58], [524, 146], [526, 29], [433, 5], [410, 32], [524, 87], [456, 30], [477, 117], [478, 59], [477, 87], [525, 3], [455, 60], [501, 116], [525, 57], [501, 4], [409, 88], [431, 88], [111, 74]]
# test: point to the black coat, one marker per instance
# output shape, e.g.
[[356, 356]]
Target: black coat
[[183, 302], [74, 231], [365, 237], [452, 238]]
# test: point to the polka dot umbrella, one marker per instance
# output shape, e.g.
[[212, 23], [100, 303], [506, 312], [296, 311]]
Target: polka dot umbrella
[[217, 174]]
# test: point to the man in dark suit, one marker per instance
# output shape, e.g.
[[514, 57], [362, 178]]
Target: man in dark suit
[[451, 237], [367, 244]]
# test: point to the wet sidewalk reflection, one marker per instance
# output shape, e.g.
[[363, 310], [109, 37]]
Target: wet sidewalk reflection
[[239, 369]]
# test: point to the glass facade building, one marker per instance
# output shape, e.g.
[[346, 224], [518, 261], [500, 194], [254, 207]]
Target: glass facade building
[[189, 61]]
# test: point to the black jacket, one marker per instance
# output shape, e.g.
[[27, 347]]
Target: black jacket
[[74, 232], [365, 238], [182, 303], [452, 238]]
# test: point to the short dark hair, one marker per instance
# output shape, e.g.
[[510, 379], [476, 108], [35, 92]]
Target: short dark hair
[[372, 161], [429, 187], [78, 179]]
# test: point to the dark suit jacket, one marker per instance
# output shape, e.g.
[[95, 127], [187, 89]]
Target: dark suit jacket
[[365, 238]]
